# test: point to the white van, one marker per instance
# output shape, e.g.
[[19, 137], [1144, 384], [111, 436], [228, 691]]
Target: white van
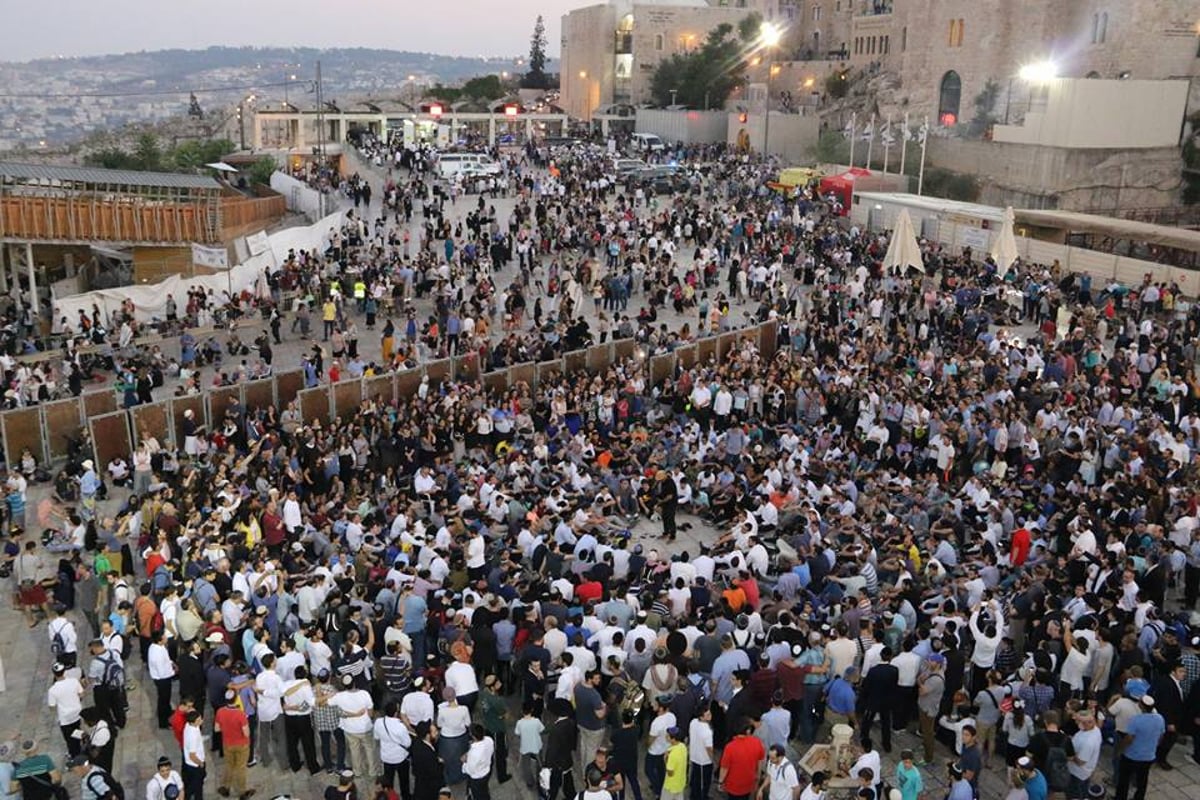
[[451, 164], [648, 141]]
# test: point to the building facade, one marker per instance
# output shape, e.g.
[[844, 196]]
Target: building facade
[[611, 50], [942, 53]]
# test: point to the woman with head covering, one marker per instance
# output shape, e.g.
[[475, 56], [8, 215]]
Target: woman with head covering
[[453, 722]]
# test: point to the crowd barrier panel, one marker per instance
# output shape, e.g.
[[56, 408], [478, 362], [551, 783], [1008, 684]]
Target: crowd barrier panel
[[47, 429]]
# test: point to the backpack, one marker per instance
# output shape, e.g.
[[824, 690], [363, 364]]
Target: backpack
[[157, 623], [113, 676], [115, 790], [58, 645], [1058, 777]]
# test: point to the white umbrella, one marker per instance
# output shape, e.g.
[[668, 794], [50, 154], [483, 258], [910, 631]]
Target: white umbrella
[[903, 250], [221, 166], [1004, 246]]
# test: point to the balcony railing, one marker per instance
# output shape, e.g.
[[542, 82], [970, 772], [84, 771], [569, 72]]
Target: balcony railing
[[874, 8]]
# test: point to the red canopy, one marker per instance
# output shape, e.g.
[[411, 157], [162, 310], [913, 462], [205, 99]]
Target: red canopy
[[843, 186]]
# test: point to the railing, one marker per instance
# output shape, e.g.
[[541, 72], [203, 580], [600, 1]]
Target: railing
[[47, 429], [86, 219], [237, 214], [873, 8]]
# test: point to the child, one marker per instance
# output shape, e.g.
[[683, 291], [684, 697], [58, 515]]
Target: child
[[529, 731]]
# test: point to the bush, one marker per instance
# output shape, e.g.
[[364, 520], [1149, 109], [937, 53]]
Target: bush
[[837, 85]]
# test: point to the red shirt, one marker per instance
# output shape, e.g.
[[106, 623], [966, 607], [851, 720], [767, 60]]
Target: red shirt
[[232, 722], [740, 762], [178, 720], [273, 530], [589, 590], [1021, 542]]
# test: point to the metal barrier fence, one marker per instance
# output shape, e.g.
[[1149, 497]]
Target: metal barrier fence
[[47, 428]]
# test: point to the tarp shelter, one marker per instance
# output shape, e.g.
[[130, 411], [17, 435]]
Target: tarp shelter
[[903, 250], [1004, 245], [799, 176], [843, 186]]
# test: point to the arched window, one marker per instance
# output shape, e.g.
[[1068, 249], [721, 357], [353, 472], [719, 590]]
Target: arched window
[[658, 42], [949, 98]]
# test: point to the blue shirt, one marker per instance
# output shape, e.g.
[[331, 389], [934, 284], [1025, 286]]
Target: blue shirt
[[840, 698], [1144, 730], [1035, 786]]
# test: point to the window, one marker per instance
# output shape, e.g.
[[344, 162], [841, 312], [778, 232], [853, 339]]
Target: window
[[658, 42], [1104, 27], [887, 44], [956, 33], [903, 38], [1100, 28], [949, 98], [816, 14]]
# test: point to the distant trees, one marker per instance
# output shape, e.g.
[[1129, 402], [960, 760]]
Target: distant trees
[[535, 77], [148, 155], [707, 76]]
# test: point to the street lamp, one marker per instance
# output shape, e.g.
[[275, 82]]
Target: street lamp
[[1038, 73], [770, 35]]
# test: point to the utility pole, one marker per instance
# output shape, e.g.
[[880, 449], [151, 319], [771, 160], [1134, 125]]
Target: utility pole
[[320, 149]]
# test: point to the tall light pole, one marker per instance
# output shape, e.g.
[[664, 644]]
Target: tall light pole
[[770, 35]]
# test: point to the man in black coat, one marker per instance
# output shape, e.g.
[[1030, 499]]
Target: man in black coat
[[428, 771], [560, 750], [878, 695], [1168, 698], [742, 706]]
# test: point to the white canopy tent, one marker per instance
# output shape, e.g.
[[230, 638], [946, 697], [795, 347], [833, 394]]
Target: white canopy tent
[[903, 250], [1004, 245]]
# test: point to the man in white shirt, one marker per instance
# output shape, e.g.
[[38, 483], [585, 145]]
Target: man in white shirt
[[417, 706], [268, 686], [355, 707], [395, 743], [194, 757], [478, 764], [65, 696], [298, 701], [162, 672], [64, 641], [460, 676], [700, 753]]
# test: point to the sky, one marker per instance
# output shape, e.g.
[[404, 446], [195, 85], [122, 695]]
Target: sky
[[452, 27]]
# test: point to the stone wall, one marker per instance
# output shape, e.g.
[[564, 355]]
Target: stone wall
[[1094, 180]]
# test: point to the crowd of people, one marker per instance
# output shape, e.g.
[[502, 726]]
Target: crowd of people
[[905, 521]]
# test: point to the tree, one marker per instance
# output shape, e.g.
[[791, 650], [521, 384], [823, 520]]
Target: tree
[[837, 85], [985, 104], [261, 170], [147, 153], [707, 76], [485, 87], [535, 77]]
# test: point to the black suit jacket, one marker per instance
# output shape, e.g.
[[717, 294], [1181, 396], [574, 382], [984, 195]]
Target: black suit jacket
[[1168, 699], [879, 688], [428, 771]]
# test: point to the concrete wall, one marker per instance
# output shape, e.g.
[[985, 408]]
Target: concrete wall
[[1102, 113], [793, 136], [689, 127], [1095, 180]]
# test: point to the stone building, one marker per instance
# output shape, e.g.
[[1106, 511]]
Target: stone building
[[611, 50], [940, 54]]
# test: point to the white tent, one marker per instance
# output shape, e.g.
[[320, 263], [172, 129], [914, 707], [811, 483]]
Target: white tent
[[1004, 246], [903, 250]]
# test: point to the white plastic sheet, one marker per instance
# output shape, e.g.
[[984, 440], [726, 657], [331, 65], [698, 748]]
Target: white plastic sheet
[[150, 301]]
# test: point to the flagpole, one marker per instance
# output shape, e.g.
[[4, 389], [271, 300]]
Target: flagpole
[[904, 143], [887, 147], [870, 142], [853, 134], [924, 147]]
